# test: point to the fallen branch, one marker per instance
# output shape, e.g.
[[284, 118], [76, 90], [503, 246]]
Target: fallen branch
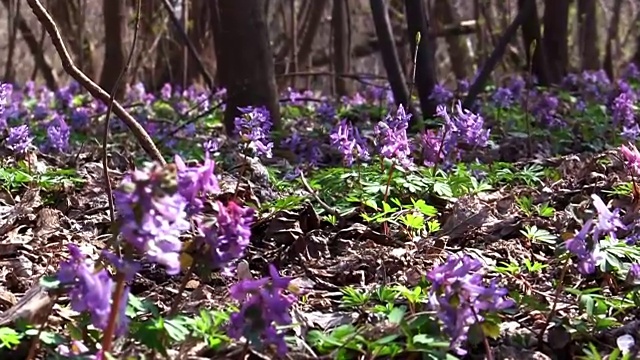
[[96, 91]]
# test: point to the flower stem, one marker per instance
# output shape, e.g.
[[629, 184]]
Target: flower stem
[[107, 339], [552, 312], [386, 195], [183, 285]]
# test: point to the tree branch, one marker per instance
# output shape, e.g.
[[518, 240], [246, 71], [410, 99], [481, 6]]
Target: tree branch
[[96, 91]]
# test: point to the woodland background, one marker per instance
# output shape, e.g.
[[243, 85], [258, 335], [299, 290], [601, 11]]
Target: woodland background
[[319, 44]]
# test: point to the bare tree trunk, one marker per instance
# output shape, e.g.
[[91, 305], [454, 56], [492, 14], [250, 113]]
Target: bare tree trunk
[[341, 50], [556, 15], [636, 55], [36, 50], [390, 59], [114, 14], [611, 35], [536, 62], [588, 34], [458, 54], [425, 81], [247, 75], [13, 10], [68, 15]]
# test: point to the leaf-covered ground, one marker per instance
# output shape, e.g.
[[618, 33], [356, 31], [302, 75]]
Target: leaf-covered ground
[[504, 231]]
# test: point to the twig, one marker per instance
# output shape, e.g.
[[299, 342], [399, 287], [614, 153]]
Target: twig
[[324, 205], [120, 277], [94, 89]]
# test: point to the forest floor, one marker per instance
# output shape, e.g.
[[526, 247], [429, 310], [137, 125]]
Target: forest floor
[[386, 259]]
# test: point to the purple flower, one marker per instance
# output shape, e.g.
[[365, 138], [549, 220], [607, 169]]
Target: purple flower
[[460, 297], [634, 271], [608, 221], [230, 235], [326, 112], [391, 136], [19, 139], [253, 128], [502, 97], [346, 139], [80, 117], [546, 110], [431, 143], [91, 290], [577, 245], [632, 158], [195, 183], [623, 110], [440, 94], [462, 128], [58, 133], [263, 306], [153, 214], [211, 146], [165, 92]]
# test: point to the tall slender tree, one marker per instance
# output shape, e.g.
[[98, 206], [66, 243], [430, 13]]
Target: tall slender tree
[[588, 34], [114, 13], [245, 59], [533, 48], [341, 50], [425, 81], [556, 15]]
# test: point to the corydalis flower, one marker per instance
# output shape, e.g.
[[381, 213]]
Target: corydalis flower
[[348, 141], [19, 139], [623, 110], [632, 158], [153, 214], [263, 305], [460, 297], [391, 135], [195, 183], [440, 94], [228, 238], [91, 290], [578, 246], [253, 127], [608, 221], [58, 133]]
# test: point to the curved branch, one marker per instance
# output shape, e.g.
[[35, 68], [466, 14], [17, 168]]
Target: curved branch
[[96, 91]]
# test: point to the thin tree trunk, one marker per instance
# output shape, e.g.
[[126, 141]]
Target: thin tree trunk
[[536, 62], [556, 15], [425, 81], [341, 50], [611, 35], [588, 33], [114, 14], [247, 75], [458, 55], [388, 52]]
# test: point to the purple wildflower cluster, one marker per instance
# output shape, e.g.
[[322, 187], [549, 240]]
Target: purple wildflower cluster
[[263, 304], [588, 251], [391, 135], [157, 205], [253, 128], [441, 95], [91, 290], [460, 297], [461, 129], [347, 139]]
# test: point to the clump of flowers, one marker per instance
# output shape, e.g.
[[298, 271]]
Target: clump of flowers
[[623, 113], [347, 140], [391, 136], [441, 95], [58, 134], [631, 156], [91, 289], [19, 139], [461, 298], [264, 305], [461, 128], [253, 128], [228, 237], [588, 252], [153, 214]]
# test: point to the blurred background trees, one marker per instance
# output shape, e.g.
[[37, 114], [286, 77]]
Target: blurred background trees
[[325, 45]]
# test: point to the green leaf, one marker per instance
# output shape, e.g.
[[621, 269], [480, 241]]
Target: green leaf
[[491, 329], [396, 315]]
